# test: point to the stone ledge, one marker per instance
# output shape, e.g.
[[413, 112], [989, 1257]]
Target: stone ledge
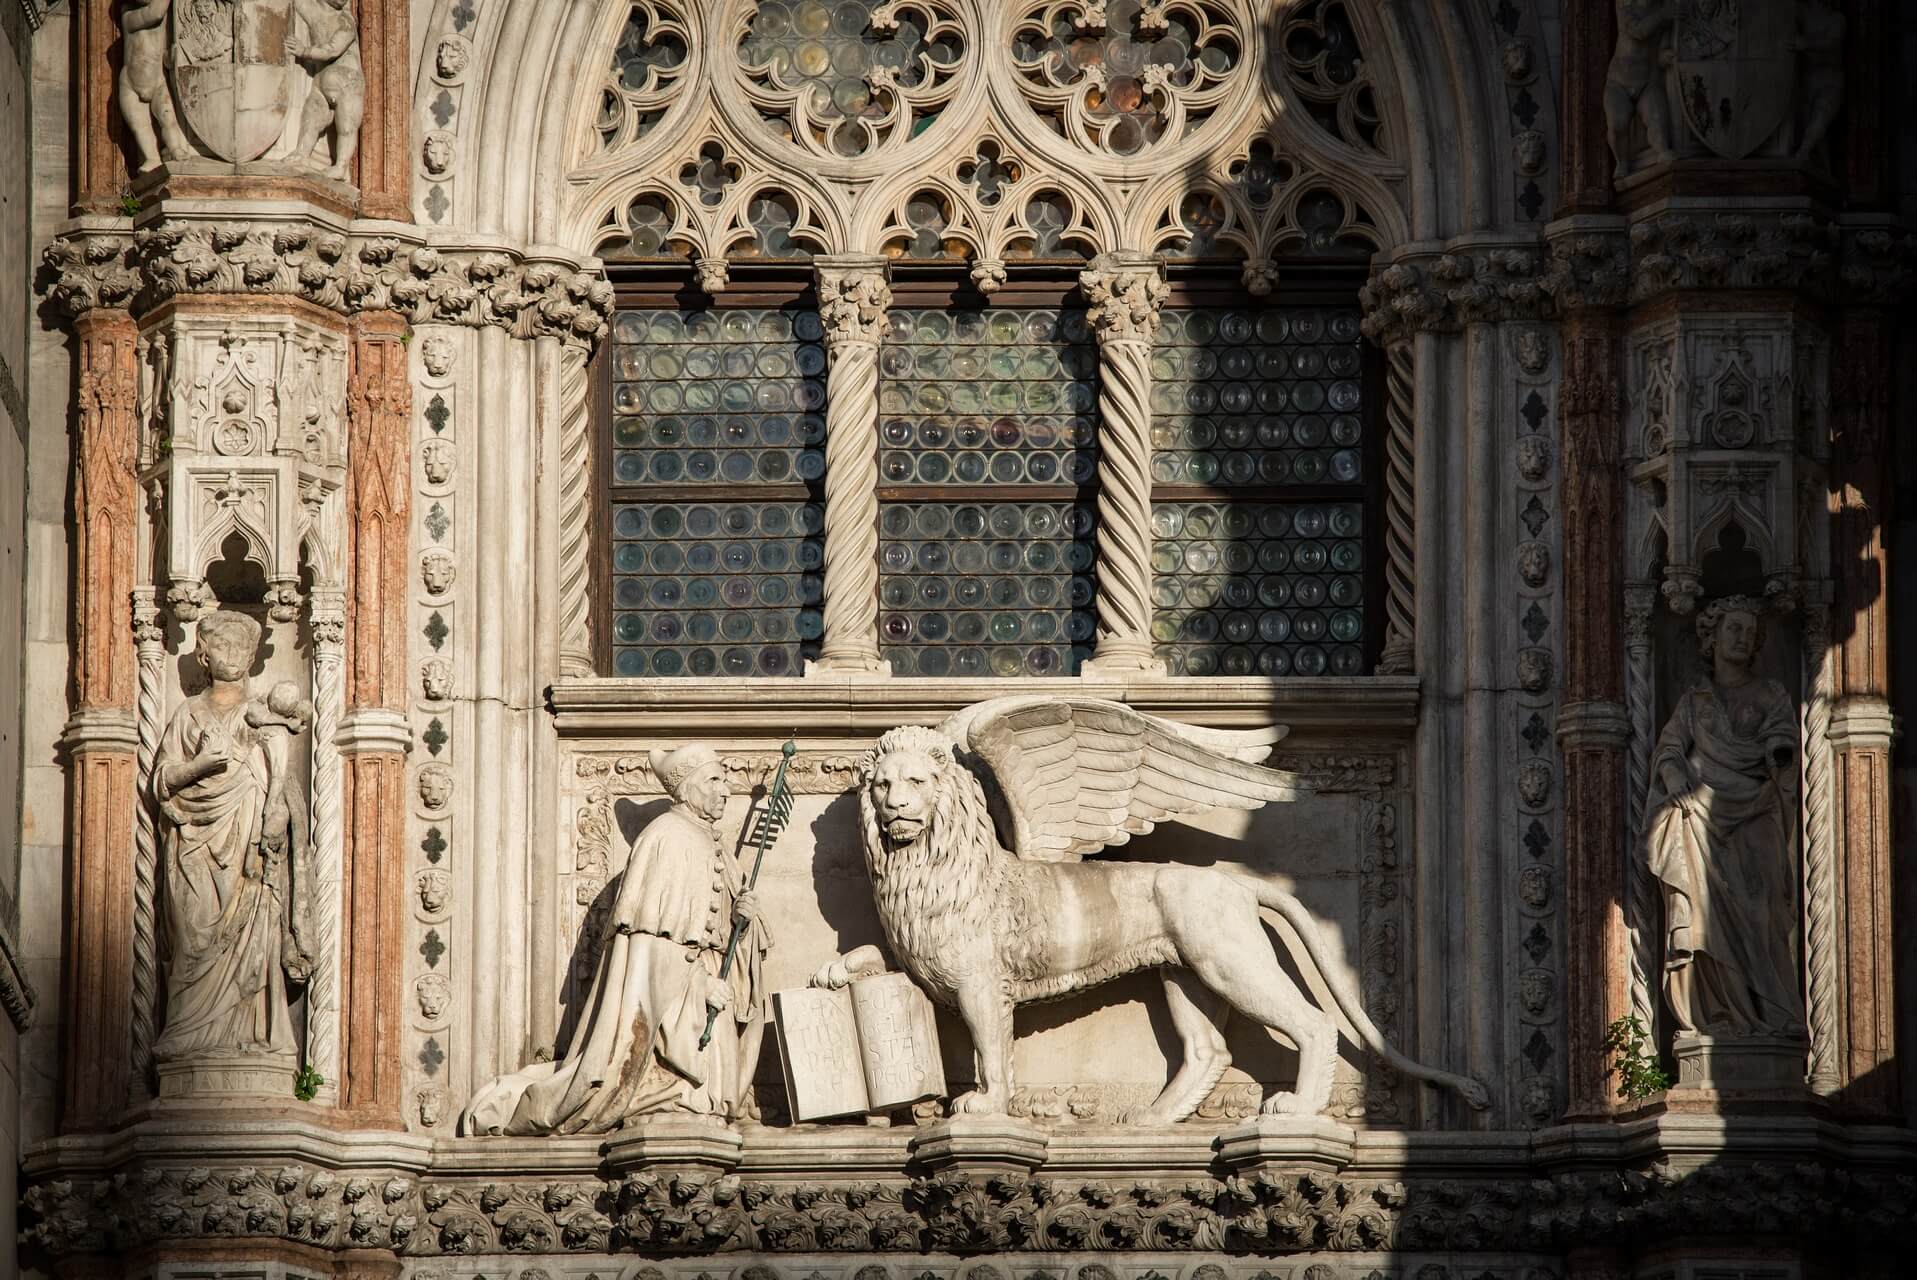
[[825, 706]]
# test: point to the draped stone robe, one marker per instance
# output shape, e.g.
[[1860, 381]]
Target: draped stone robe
[[1727, 859], [636, 1050], [228, 928]]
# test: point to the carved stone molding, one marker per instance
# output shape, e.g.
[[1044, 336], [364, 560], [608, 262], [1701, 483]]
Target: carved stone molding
[[1442, 294], [810, 772], [1732, 251], [94, 266], [1275, 1211]]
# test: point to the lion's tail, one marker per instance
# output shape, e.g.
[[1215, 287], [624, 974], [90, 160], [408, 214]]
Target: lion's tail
[[1295, 915]]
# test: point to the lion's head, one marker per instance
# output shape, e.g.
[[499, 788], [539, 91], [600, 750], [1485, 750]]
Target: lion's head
[[905, 783], [930, 843]]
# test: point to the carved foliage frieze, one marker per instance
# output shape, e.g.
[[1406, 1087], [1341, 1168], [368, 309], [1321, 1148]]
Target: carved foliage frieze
[[326, 267], [1269, 1212]]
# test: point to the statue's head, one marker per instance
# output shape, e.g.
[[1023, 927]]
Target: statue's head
[[227, 644], [906, 780], [693, 777], [1731, 628]]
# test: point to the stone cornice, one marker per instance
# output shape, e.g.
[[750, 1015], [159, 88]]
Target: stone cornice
[[534, 293]]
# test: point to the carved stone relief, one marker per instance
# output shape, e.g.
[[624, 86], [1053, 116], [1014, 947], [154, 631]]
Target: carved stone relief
[[1720, 841], [1749, 78], [251, 79], [238, 869]]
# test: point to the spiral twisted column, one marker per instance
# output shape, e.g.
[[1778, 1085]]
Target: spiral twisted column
[[1126, 292], [329, 703], [854, 297], [1820, 849], [1401, 530], [575, 513], [149, 643], [1641, 894]]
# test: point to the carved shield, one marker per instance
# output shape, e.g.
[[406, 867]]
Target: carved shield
[[233, 72], [1736, 71]]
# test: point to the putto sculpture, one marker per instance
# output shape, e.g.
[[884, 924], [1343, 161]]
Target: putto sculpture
[[639, 1048], [233, 849], [1721, 843], [983, 928]]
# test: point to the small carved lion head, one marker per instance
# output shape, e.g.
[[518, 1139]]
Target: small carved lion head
[[433, 992]]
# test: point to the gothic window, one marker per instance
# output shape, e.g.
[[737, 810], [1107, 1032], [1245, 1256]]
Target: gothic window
[[714, 511], [1265, 478]]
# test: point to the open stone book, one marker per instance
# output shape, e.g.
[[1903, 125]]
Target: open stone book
[[870, 1046]]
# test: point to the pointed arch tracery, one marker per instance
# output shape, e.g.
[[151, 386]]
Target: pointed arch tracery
[[1234, 136]]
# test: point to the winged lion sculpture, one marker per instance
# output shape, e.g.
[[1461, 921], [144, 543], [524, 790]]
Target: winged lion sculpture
[[984, 929]]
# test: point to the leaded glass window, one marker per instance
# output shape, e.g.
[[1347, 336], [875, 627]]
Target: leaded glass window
[[988, 427], [715, 466], [1260, 475], [1264, 478]]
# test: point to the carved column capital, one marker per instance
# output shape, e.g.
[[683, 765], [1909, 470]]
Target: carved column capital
[[1640, 604], [1593, 725], [855, 294], [1862, 722], [1589, 264], [1126, 292]]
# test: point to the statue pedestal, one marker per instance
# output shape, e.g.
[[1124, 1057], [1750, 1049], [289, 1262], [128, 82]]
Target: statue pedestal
[[700, 1146], [229, 1078], [982, 1145], [1291, 1142], [1744, 1064]]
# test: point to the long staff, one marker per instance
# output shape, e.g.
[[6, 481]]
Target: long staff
[[772, 821]]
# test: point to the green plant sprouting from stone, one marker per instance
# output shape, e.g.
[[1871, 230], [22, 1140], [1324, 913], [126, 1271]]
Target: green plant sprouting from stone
[[306, 1084], [1634, 1062]]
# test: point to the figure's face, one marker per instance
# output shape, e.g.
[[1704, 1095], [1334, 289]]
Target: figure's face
[[1736, 639], [225, 658], [904, 785], [704, 791]]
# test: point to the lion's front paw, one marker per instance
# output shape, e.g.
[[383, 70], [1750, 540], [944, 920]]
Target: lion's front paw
[[978, 1102], [831, 975], [1282, 1103]]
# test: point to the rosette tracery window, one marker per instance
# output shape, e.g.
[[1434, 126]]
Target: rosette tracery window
[[848, 78], [1122, 76], [646, 75]]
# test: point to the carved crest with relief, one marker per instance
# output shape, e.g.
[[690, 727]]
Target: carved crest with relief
[[1736, 71], [233, 72]]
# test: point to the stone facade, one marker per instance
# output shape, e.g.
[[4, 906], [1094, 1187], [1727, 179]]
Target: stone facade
[[333, 313]]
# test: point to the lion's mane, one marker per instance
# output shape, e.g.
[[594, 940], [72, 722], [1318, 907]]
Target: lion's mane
[[952, 881]]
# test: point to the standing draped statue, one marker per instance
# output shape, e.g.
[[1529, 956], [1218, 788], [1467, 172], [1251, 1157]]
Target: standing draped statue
[[636, 1050], [233, 844], [1721, 840]]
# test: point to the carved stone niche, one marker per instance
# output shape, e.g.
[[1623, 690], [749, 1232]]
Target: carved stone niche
[[243, 433], [1727, 421]]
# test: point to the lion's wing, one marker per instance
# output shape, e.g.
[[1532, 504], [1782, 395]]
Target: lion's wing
[[1083, 774]]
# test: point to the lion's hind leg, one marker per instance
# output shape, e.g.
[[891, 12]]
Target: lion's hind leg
[[1215, 925], [1198, 1016]]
